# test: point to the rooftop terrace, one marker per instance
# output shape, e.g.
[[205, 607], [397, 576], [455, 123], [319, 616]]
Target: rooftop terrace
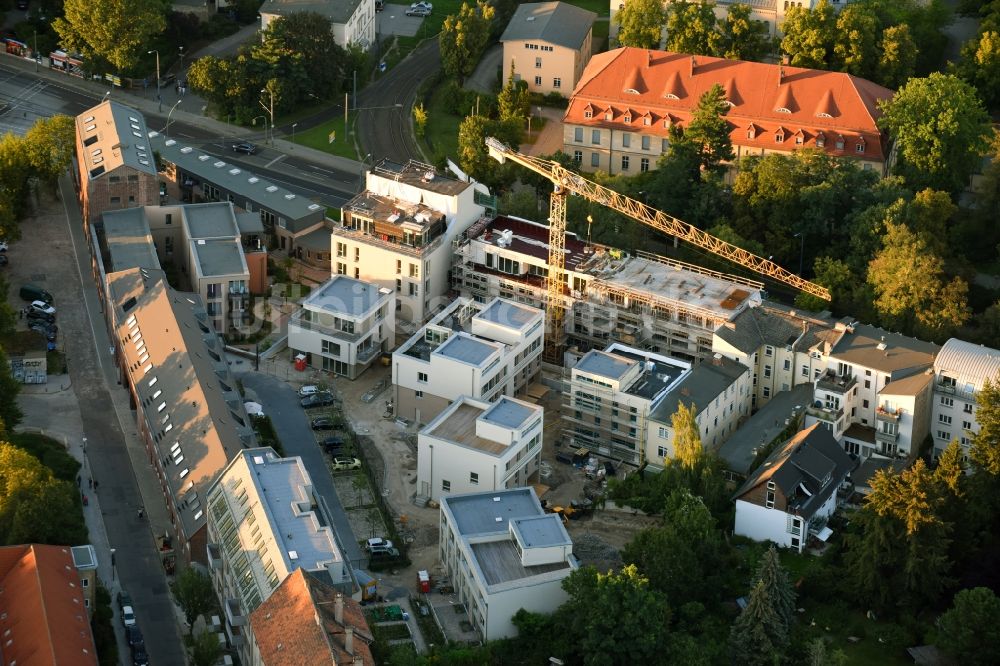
[[344, 296], [501, 563], [419, 175]]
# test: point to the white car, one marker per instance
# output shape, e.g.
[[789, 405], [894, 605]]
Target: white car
[[128, 616], [42, 306], [307, 391], [3, 245], [422, 5], [378, 542]]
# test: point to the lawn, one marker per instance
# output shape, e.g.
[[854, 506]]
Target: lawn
[[319, 138], [599, 7], [441, 134]]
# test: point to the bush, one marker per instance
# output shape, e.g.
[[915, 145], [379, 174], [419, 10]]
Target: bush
[[553, 99], [462, 102], [49, 452]]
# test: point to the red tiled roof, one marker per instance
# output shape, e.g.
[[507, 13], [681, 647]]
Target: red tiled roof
[[668, 85], [287, 627], [41, 605], [532, 239]]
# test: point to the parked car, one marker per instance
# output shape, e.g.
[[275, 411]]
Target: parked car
[[422, 5], [323, 423], [341, 464], [383, 553], [3, 245], [34, 315], [377, 542], [128, 616], [42, 306], [564, 458], [124, 599], [321, 399], [139, 656], [30, 292], [3, 260], [418, 11], [309, 390], [379, 5], [48, 330], [244, 147], [133, 635], [22, 4]]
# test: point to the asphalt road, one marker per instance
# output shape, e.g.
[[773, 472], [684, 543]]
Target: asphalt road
[[383, 128], [281, 403]]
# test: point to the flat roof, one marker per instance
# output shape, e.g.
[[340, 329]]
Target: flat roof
[[344, 295], [211, 220], [421, 175], [510, 413], [509, 314], [338, 12], [128, 239], [419, 216], [466, 349], [457, 424], [477, 513], [604, 364], [501, 563], [219, 257], [541, 531], [250, 223], [764, 427]]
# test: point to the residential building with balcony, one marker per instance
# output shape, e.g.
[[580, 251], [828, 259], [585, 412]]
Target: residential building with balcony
[[478, 350], [502, 553], [610, 396], [265, 522], [308, 621], [719, 390], [343, 326], [398, 234], [792, 495], [769, 426], [960, 370], [646, 301], [622, 111], [188, 412], [115, 167], [475, 446], [43, 611]]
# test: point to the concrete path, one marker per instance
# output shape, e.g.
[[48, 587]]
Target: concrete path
[[484, 78], [550, 139]]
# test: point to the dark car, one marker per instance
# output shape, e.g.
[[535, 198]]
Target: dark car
[[323, 423], [332, 444], [124, 599], [564, 458], [321, 399], [133, 635], [22, 4], [244, 147], [48, 330], [3, 259], [35, 315], [139, 656]]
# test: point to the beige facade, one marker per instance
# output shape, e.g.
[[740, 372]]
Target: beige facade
[[548, 45]]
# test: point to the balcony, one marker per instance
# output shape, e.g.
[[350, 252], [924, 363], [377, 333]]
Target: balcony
[[214, 556], [882, 414], [387, 242], [368, 353], [886, 437], [824, 413], [838, 384], [234, 613], [305, 324]]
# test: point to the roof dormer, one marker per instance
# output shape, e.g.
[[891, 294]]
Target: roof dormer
[[627, 116], [588, 111], [634, 84], [786, 100], [609, 113], [826, 108], [674, 89], [732, 95], [779, 135], [647, 119], [800, 138], [820, 140]]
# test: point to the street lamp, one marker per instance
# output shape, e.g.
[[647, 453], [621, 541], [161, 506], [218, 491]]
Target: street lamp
[[181, 49], [802, 247], [270, 110], [254, 123], [159, 100], [167, 128], [294, 125], [112, 565]]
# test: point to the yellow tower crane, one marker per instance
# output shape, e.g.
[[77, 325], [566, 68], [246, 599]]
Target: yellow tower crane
[[565, 181]]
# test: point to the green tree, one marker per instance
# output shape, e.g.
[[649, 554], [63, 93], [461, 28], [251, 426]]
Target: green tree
[[194, 593], [941, 131], [206, 649], [758, 636], [115, 31], [743, 37], [857, 32], [49, 146], [419, 120], [34, 505], [818, 655], [970, 629], [779, 589], [809, 35], [514, 102], [985, 452], [687, 439], [709, 130], [950, 470], [837, 277], [640, 23], [897, 56], [613, 617], [463, 38], [691, 28], [912, 292], [980, 66], [311, 35], [10, 413], [473, 156]]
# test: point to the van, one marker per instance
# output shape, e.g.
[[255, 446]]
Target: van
[[30, 292]]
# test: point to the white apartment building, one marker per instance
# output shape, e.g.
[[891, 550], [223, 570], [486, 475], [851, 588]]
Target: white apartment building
[[721, 392], [343, 326], [263, 524], [610, 396], [475, 446], [648, 302], [398, 234], [960, 370], [352, 21], [479, 350], [502, 553]]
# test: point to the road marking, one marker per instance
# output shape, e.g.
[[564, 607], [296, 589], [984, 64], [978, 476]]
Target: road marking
[[276, 159]]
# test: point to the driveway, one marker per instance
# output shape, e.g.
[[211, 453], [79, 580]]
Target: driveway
[[484, 78], [281, 403]]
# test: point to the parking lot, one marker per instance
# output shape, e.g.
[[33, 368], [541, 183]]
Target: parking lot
[[394, 21]]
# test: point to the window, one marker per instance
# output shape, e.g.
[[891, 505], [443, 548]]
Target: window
[[399, 266], [595, 159], [946, 402], [357, 273], [646, 142], [767, 371], [859, 148], [661, 451], [414, 289], [557, 83], [864, 403], [341, 250], [805, 370], [944, 418], [357, 254], [840, 143], [944, 434], [169, 218], [588, 113], [779, 138], [595, 137], [967, 408], [341, 269], [788, 364], [474, 478], [644, 164], [626, 140], [966, 425], [624, 162], [418, 394], [768, 350], [538, 63], [578, 134], [115, 200], [445, 486], [422, 377], [799, 139], [538, 80], [577, 156], [399, 285], [414, 271], [767, 392], [664, 145], [330, 347], [868, 384]]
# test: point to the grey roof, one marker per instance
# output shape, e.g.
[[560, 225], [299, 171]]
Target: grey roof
[[466, 348], [298, 211], [873, 347], [807, 469], [129, 242], [317, 239], [344, 295], [867, 470], [509, 314], [657, 372], [754, 327], [338, 11], [968, 363], [84, 557], [760, 430], [114, 135], [552, 22], [211, 220], [701, 386], [219, 257], [510, 413], [541, 531], [501, 563], [604, 364], [912, 385], [476, 513], [250, 223]]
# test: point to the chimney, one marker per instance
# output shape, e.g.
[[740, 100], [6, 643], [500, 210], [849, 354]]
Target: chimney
[[781, 74], [349, 640], [338, 608], [694, 63], [649, 58]]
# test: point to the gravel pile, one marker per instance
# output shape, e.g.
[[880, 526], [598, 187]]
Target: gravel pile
[[592, 549]]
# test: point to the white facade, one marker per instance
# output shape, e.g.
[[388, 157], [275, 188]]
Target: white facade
[[779, 527], [503, 553], [398, 234], [474, 446], [343, 326], [960, 370], [473, 349], [352, 21], [262, 526]]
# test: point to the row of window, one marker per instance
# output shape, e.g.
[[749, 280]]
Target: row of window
[[556, 82], [595, 161], [950, 402], [645, 141], [537, 47]]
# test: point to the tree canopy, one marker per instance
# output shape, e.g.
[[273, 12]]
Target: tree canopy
[[114, 31], [691, 28], [744, 38], [970, 630], [687, 438], [640, 23], [464, 37]]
